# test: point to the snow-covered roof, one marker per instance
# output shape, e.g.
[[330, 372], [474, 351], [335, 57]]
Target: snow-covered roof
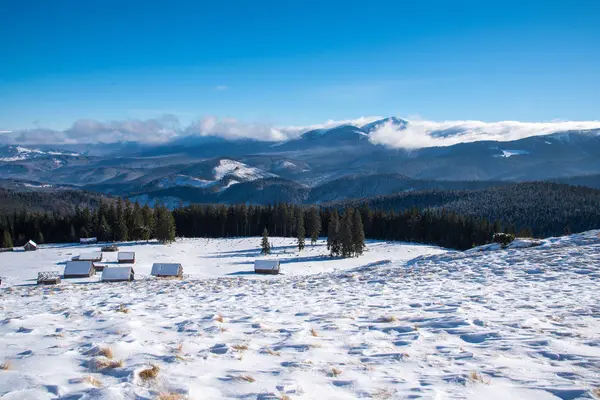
[[166, 269], [31, 242], [88, 240], [126, 255], [91, 256], [82, 268], [117, 273], [266, 265]]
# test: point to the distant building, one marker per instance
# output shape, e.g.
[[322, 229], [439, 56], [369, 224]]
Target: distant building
[[88, 240], [126, 257], [78, 269], [266, 267], [30, 246], [48, 278], [167, 270], [118, 274], [94, 256]]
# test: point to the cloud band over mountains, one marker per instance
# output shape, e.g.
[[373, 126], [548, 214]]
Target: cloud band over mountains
[[415, 133]]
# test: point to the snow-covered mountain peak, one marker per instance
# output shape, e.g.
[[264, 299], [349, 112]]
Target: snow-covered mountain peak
[[241, 171]]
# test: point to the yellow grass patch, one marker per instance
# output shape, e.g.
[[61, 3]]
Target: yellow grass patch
[[149, 373], [388, 319], [6, 365], [245, 378], [92, 381], [272, 352], [106, 352], [105, 363], [478, 378], [170, 396], [240, 347], [313, 332], [123, 309], [335, 372]]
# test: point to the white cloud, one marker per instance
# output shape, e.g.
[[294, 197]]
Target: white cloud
[[420, 133], [417, 133]]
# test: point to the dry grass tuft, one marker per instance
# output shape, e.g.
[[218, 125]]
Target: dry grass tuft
[[170, 396], [596, 391], [284, 396], [6, 365], [478, 378], [240, 347], [382, 394], [180, 357], [105, 363], [245, 378], [149, 373], [179, 348], [335, 372], [106, 352], [219, 318], [313, 332], [92, 381], [272, 352], [123, 309], [388, 319]]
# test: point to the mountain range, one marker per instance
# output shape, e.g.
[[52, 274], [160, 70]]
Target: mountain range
[[322, 165]]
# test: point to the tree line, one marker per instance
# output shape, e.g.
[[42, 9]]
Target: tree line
[[346, 228], [114, 221]]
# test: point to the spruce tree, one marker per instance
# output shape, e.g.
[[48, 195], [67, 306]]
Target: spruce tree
[[300, 229], [40, 238], [264, 244], [7, 241], [346, 234], [358, 234], [165, 226], [104, 231], [314, 225], [333, 231], [72, 234]]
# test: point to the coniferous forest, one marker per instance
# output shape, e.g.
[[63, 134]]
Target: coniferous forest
[[346, 228]]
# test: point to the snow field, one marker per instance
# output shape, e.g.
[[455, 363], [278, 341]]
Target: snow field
[[518, 323]]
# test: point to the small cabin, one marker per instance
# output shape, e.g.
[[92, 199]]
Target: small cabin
[[126, 257], [118, 274], [79, 269], [93, 256], [167, 270], [30, 246], [110, 248], [48, 278], [266, 267], [88, 240]]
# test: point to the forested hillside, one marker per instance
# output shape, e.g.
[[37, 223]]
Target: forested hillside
[[546, 208], [62, 201]]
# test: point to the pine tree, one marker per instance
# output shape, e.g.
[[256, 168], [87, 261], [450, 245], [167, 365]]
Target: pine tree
[[346, 234], [314, 225], [264, 244], [300, 229], [333, 232], [165, 226], [7, 241], [358, 234], [149, 222], [72, 234], [121, 234], [40, 238], [104, 232]]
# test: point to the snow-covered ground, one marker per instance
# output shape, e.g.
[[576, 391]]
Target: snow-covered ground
[[504, 324]]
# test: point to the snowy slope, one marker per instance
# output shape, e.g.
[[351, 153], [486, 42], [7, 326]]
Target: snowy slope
[[520, 323], [19, 153]]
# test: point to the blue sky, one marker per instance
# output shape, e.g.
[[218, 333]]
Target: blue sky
[[297, 62]]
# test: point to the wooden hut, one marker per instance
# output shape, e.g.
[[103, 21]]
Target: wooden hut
[[110, 248], [266, 267], [93, 256], [78, 269], [30, 246], [118, 274], [48, 278], [126, 257], [167, 270]]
